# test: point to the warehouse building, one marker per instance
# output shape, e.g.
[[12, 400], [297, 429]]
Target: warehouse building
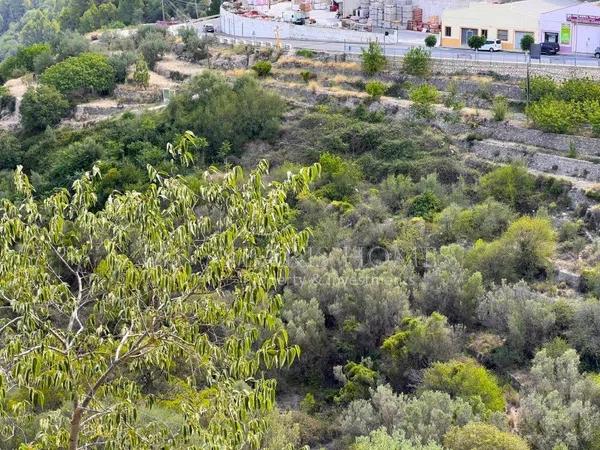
[[576, 28], [506, 22]]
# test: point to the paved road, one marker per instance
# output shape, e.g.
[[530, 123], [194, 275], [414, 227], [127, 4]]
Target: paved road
[[393, 49]]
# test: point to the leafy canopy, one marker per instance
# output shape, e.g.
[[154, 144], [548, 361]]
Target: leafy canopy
[[168, 282]]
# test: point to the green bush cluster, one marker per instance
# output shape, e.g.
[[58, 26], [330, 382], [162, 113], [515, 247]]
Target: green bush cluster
[[564, 107], [78, 76]]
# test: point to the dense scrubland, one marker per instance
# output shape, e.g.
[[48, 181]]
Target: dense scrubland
[[247, 268]]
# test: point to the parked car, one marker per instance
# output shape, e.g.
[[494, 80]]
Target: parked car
[[550, 48], [298, 21], [492, 46], [208, 28], [597, 52]]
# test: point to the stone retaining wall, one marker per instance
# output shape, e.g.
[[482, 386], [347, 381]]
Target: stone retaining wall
[[506, 152]]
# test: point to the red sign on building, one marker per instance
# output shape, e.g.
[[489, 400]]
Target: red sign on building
[[579, 18]]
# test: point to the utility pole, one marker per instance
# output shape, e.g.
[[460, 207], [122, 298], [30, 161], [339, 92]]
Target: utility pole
[[528, 56], [196, 5], [162, 3]]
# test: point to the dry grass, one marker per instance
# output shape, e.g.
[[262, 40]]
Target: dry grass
[[304, 62]]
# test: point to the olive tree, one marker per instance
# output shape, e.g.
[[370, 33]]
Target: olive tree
[[168, 283]]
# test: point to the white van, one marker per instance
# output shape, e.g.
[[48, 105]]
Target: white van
[[492, 46]]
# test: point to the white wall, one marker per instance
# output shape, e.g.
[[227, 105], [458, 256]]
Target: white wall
[[236, 25]]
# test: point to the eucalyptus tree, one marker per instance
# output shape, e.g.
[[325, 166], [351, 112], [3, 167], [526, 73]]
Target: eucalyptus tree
[[172, 284]]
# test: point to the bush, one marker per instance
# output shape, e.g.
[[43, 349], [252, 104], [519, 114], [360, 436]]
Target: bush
[[7, 101], [141, 77], [526, 42], [262, 68], [307, 75], [417, 62], [555, 116], [522, 252], [153, 46], [430, 41], [375, 88], [71, 43], [88, 73], [423, 97], [424, 205], [482, 436], [43, 107], [120, 63], [465, 379], [306, 53], [476, 42], [499, 108], [579, 90], [26, 55], [540, 86], [511, 184], [373, 59]]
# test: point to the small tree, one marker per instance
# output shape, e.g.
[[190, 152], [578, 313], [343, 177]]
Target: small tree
[[141, 76], [423, 97], [476, 42], [526, 42], [430, 41], [373, 59], [43, 107], [417, 62], [97, 299]]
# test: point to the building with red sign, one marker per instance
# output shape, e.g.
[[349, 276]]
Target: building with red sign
[[576, 28]]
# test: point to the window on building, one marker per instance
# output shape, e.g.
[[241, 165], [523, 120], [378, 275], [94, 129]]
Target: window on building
[[503, 35], [551, 37], [484, 33], [448, 31]]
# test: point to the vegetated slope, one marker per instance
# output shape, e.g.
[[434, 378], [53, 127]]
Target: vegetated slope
[[426, 306]]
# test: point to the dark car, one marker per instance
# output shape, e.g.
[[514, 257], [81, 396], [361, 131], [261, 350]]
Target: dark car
[[597, 52], [208, 28], [550, 48], [299, 21]]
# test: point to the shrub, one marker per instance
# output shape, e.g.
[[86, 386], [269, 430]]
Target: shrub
[[153, 46], [430, 41], [424, 205], [373, 59], [120, 63], [423, 97], [375, 88], [417, 62], [540, 86], [141, 76], [42, 107], [511, 184], [466, 379], [26, 55], [307, 75], [88, 73], [7, 101], [482, 436], [579, 90], [306, 53], [476, 42], [526, 42], [499, 108], [555, 116], [262, 68]]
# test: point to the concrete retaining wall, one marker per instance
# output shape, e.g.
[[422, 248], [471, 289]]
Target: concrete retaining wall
[[256, 28]]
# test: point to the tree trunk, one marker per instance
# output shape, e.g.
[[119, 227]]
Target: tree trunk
[[75, 427]]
